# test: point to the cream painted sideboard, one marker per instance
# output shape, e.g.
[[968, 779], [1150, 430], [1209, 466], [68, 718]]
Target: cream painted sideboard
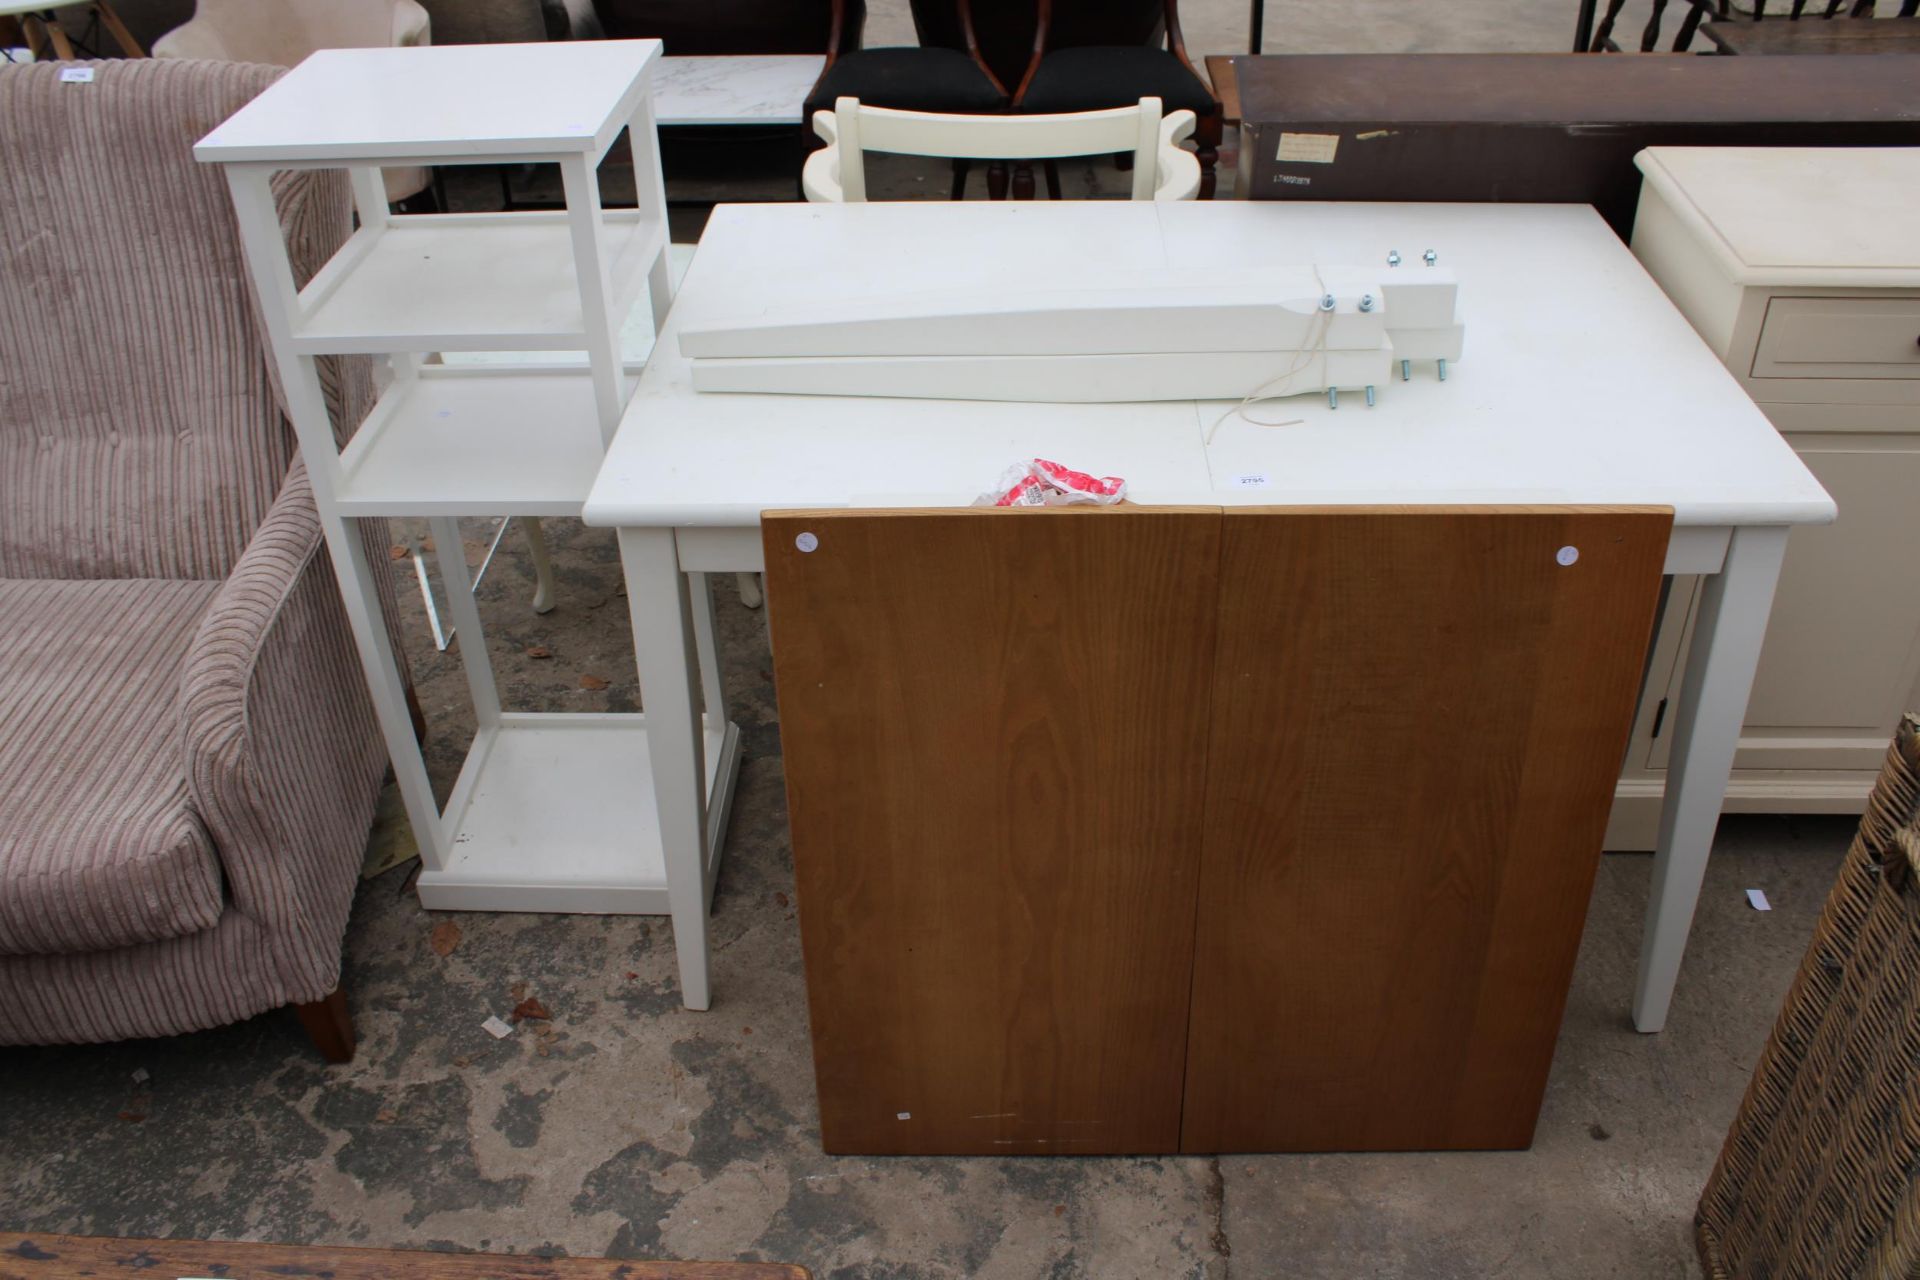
[[1801, 268]]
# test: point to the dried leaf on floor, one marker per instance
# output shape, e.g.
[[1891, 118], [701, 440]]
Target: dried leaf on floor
[[396, 552], [630, 975], [592, 682], [780, 898], [539, 651], [530, 1008], [444, 938], [386, 1115]]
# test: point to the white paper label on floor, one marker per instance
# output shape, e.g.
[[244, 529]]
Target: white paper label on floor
[[1308, 148], [497, 1029], [76, 75], [1757, 899], [1251, 480]]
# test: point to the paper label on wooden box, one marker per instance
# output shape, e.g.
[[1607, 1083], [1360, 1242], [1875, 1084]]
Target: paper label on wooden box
[[1308, 148]]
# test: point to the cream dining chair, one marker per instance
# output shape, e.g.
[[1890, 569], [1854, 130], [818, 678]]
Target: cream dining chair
[[1162, 169]]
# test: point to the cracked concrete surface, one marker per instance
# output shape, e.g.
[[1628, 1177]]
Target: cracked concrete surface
[[627, 1126]]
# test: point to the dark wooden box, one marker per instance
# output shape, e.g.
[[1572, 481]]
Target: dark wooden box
[[1542, 127]]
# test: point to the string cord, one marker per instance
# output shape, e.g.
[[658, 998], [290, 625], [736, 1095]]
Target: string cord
[[1315, 345]]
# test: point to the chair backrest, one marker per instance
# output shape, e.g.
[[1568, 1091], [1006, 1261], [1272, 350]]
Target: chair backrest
[[283, 32], [1722, 11], [699, 27], [1007, 30], [140, 433], [1162, 169]]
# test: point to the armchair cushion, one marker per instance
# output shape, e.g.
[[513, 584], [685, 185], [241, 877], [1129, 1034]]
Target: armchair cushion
[[99, 847], [908, 79], [1100, 76]]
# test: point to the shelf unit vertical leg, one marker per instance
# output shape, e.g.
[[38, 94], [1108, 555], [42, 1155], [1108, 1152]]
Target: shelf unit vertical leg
[[267, 263], [713, 688], [650, 196], [1734, 605], [369, 195], [665, 647], [464, 612], [582, 183]]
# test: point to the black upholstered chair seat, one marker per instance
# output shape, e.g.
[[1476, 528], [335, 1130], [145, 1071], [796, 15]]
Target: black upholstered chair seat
[[908, 79], [1095, 77]]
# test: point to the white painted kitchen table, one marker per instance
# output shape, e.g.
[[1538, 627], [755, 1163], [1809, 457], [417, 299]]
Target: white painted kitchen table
[[1581, 384]]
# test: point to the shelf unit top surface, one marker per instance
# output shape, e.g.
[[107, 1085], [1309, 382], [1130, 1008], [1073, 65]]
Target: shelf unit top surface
[[1765, 211], [1580, 383], [449, 103]]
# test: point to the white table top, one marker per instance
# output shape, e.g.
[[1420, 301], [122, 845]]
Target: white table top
[[449, 102], [1580, 381], [726, 90], [1832, 216]]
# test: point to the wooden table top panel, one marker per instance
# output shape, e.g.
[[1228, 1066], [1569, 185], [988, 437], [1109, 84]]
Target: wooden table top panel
[[1568, 88], [995, 727], [1810, 35], [30, 1256], [1418, 719]]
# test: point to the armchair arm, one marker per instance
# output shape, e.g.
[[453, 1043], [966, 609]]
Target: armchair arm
[[198, 38], [283, 756]]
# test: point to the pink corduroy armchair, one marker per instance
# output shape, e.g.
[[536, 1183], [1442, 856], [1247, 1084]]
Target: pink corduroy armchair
[[188, 757]]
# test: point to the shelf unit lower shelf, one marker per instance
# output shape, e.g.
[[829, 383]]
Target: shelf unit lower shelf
[[456, 440], [556, 813]]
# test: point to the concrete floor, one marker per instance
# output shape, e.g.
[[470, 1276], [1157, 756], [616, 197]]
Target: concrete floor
[[630, 1127], [633, 1128]]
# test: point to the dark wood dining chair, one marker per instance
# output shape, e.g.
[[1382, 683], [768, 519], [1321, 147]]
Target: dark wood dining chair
[[1067, 71], [923, 77], [719, 27], [1722, 11]]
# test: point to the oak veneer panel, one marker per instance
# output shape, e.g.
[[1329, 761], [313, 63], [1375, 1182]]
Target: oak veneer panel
[[1418, 719], [57, 1257], [994, 726]]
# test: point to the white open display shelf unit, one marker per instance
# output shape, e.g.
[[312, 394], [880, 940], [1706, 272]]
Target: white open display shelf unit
[[551, 812]]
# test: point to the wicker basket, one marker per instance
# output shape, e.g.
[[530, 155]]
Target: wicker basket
[[1820, 1176]]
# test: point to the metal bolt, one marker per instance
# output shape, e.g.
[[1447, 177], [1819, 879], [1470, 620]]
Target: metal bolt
[[1369, 397], [1430, 257], [1333, 397], [1443, 370], [1406, 371], [1366, 302], [1393, 257], [1326, 302]]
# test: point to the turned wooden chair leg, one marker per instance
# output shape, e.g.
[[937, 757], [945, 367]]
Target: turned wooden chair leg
[[417, 715], [1053, 180], [329, 1025], [960, 170], [1023, 181], [1206, 137], [997, 180]]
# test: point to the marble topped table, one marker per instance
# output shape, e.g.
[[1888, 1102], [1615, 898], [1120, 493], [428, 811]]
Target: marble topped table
[[729, 90]]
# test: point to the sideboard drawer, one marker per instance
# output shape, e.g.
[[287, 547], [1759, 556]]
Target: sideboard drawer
[[1839, 338]]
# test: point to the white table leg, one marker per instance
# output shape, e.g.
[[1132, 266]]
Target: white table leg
[[713, 691], [1734, 605], [664, 645]]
